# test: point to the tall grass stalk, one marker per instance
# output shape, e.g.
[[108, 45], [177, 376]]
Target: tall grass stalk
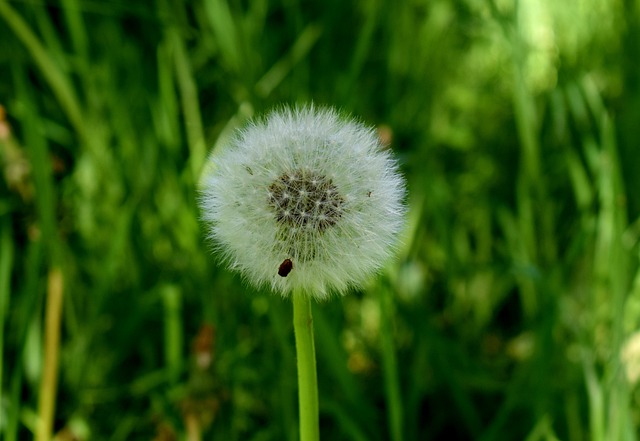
[[48, 229], [391, 376], [6, 264], [49, 383], [190, 104], [60, 84]]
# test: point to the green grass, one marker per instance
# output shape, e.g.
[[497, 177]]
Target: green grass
[[508, 313]]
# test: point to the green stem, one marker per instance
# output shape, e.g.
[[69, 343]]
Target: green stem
[[190, 105], [49, 385], [6, 263], [307, 378]]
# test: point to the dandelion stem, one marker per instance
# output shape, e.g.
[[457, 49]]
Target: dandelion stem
[[307, 378]]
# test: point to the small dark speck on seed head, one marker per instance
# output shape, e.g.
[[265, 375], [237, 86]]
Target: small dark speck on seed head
[[285, 268]]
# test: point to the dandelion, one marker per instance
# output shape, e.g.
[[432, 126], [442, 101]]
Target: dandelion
[[304, 201], [308, 203]]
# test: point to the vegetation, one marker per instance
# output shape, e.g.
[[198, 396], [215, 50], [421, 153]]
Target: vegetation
[[511, 312]]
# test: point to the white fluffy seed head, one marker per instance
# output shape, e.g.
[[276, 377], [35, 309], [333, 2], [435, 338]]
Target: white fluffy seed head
[[304, 201]]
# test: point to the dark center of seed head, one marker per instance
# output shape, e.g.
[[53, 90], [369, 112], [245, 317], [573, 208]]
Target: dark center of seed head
[[305, 198]]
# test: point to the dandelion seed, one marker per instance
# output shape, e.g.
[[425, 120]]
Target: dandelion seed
[[286, 189]]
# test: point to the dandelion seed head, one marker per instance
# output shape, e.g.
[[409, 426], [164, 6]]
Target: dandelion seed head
[[294, 189], [314, 205]]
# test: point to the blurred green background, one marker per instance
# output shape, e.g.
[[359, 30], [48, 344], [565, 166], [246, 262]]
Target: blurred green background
[[510, 314]]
